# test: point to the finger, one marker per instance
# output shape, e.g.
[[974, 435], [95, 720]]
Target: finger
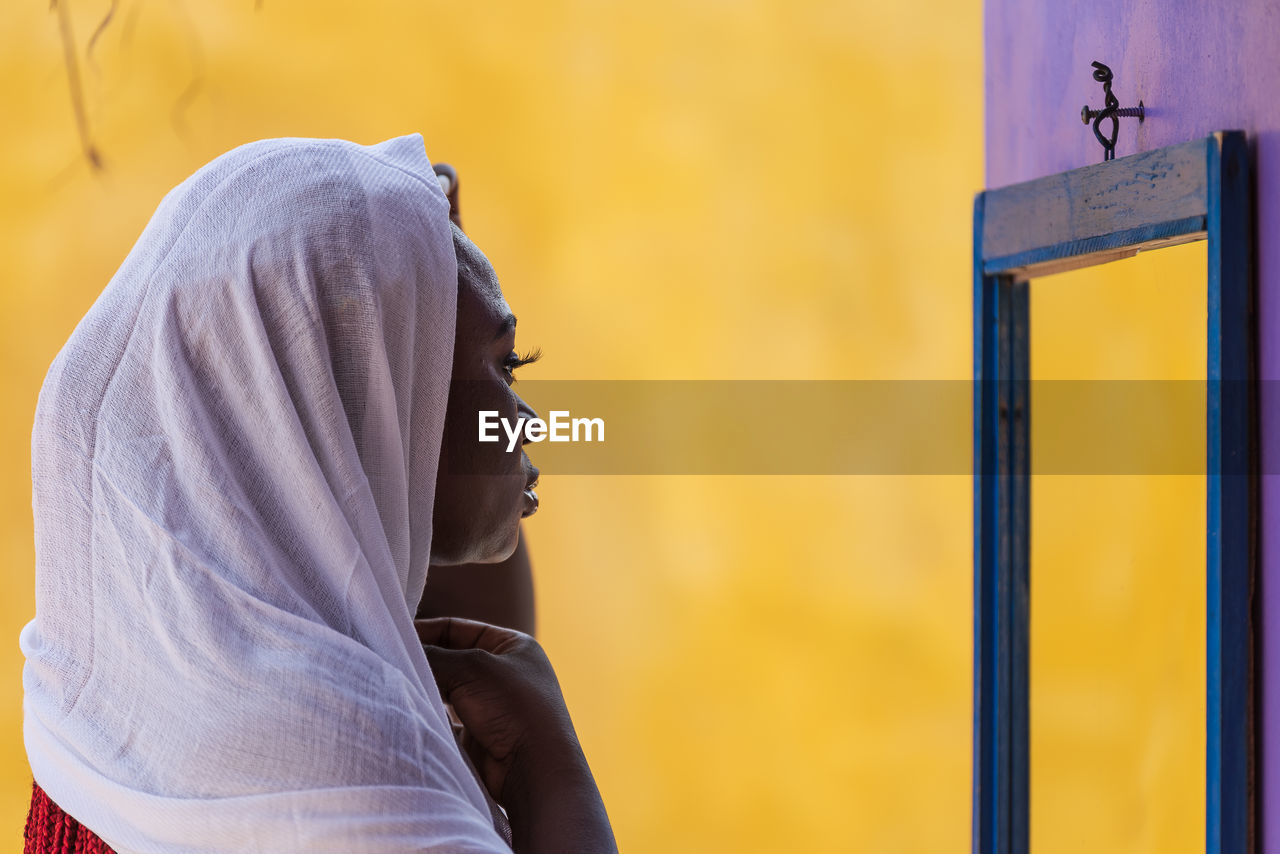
[[460, 633], [446, 175], [452, 670], [493, 772], [448, 632], [448, 178]]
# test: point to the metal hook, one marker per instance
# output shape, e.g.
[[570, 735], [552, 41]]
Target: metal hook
[[1111, 110]]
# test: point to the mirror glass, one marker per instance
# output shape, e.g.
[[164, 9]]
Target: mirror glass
[[1117, 659]]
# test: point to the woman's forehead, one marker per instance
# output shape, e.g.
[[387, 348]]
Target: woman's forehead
[[480, 298]]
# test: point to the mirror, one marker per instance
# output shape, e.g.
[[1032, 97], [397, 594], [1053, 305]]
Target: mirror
[[1195, 191], [1117, 604]]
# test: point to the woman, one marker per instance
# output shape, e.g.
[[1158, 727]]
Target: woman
[[244, 460]]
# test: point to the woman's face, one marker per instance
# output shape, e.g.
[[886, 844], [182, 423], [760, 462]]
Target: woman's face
[[482, 489]]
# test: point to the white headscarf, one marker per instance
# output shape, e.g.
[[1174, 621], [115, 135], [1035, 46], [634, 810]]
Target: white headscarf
[[234, 461]]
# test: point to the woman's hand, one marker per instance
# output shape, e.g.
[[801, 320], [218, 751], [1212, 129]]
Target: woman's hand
[[520, 736], [504, 691], [448, 178]]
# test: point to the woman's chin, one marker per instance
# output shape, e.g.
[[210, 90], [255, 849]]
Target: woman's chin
[[492, 549], [508, 546]]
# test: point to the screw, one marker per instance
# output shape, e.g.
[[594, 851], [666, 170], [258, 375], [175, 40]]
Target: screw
[[1140, 112]]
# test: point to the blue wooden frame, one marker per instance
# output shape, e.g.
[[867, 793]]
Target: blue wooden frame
[[1194, 191]]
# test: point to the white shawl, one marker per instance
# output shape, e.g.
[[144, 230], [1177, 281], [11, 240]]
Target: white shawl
[[234, 460]]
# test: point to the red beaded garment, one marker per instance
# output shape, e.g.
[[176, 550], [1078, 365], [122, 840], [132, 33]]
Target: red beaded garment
[[52, 831]]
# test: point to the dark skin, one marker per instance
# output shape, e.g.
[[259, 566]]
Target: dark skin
[[498, 680], [482, 489], [500, 593], [520, 736]]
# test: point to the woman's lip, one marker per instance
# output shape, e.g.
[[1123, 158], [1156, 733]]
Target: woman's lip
[[531, 502]]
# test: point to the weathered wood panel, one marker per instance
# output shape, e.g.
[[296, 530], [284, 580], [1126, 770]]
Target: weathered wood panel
[[1153, 196]]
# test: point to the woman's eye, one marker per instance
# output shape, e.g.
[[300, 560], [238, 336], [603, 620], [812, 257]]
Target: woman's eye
[[519, 360]]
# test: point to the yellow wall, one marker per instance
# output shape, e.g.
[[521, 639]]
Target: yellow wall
[[668, 190]]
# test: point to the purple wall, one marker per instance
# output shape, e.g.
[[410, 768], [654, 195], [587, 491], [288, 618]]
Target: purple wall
[[1199, 67]]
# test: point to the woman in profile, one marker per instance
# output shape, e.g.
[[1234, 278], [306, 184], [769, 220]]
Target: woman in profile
[[244, 460]]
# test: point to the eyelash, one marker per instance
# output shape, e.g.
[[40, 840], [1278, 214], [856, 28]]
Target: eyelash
[[519, 360]]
